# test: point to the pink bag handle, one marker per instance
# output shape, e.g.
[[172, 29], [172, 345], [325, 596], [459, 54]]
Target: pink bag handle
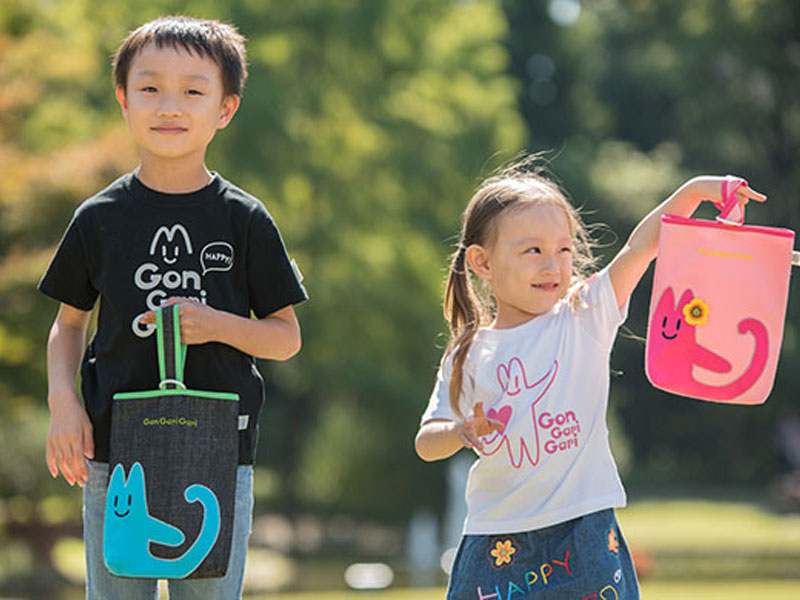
[[731, 211]]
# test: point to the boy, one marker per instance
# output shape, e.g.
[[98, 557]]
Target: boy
[[170, 232]]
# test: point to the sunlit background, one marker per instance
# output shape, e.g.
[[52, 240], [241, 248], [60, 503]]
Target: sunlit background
[[365, 126]]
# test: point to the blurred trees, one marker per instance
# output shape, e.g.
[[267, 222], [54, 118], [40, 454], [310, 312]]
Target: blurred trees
[[364, 128], [636, 97]]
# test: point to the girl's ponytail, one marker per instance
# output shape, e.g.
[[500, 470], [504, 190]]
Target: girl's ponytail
[[464, 312]]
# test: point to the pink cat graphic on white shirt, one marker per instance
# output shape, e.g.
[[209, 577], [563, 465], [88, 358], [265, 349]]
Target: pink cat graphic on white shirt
[[514, 381]]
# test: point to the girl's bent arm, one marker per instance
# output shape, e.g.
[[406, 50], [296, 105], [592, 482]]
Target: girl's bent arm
[[627, 267], [437, 439], [441, 438]]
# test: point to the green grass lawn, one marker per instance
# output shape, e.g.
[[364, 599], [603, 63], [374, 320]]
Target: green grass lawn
[[704, 539], [695, 590], [401, 594], [709, 526], [721, 590], [698, 549]]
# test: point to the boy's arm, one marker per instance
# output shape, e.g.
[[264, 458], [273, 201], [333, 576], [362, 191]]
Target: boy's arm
[[628, 266], [69, 438], [276, 336]]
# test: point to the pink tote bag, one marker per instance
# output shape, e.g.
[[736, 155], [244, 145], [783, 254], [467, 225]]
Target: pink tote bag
[[718, 305]]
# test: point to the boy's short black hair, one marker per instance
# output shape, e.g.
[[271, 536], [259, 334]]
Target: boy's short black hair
[[221, 42]]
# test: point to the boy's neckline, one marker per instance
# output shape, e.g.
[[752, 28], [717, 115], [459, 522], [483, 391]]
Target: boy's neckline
[[158, 197], [200, 180]]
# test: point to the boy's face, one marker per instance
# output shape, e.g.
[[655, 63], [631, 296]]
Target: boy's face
[[174, 103]]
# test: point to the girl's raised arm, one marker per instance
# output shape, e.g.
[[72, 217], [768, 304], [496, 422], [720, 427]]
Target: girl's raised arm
[[628, 266]]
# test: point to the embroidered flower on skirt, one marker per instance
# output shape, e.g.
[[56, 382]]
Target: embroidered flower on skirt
[[502, 552], [613, 543]]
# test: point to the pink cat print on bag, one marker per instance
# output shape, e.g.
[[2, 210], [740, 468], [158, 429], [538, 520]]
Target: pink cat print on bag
[[673, 351]]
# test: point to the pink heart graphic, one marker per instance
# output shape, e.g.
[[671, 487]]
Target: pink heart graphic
[[504, 414]]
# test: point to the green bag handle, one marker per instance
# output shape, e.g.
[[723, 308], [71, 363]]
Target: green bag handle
[[171, 352]]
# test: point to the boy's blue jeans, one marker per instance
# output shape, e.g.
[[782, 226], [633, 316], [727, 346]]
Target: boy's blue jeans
[[102, 585]]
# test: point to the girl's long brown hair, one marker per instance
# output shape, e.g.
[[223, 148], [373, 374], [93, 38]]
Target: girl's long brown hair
[[466, 308]]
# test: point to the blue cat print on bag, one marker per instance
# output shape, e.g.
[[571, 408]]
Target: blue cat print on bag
[[129, 529]]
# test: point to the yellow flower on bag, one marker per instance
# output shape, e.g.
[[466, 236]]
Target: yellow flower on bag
[[696, 312], [502, 552]]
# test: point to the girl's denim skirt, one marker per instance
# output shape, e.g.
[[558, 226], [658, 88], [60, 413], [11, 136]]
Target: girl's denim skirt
[[582, 559]]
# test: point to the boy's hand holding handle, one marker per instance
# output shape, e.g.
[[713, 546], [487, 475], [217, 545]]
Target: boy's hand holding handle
[[198, 323], [275, 337]]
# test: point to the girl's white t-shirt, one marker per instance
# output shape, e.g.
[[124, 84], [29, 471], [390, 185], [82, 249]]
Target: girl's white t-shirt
[[548, 380]]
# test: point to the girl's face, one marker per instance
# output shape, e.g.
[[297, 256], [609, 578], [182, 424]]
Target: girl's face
[[528, 265]]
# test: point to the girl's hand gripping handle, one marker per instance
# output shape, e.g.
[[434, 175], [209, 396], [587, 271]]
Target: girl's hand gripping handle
[[735, 195]]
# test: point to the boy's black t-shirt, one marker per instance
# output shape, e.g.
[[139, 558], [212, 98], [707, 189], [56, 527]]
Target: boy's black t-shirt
[[135, 247]]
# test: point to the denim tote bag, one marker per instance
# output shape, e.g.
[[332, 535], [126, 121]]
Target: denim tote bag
[[172, 473]]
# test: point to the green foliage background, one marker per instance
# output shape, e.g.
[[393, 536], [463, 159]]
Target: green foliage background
[[364, 128]]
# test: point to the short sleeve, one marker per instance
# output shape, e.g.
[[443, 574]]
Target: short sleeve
[[599, 315], [68, 278], [273, 280], [439, 401]]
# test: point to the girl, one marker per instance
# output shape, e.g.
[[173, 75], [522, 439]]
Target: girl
[[524, 382]]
